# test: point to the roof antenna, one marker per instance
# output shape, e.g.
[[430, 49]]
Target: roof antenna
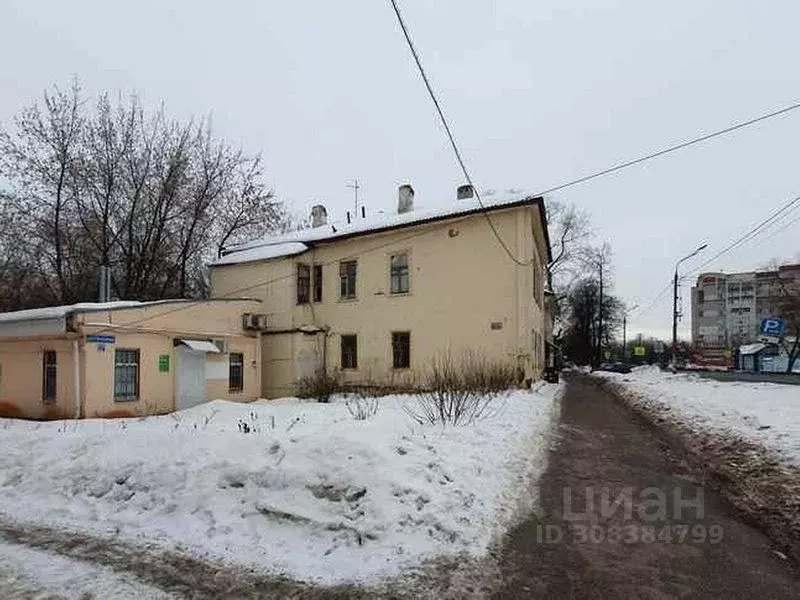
[[355, 187]]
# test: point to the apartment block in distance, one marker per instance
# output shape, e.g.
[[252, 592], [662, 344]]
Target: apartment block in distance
[[374, 300], [727, 310]]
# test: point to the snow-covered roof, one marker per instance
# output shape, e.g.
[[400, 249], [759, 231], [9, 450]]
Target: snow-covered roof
[[296, 242], [262, 253], [59, 312]]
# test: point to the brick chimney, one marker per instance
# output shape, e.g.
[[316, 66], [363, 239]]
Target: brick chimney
[[319, 216], [464, 192], [405, 199]]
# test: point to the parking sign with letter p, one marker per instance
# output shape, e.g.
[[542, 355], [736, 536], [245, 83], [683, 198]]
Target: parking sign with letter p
[[773, 326]]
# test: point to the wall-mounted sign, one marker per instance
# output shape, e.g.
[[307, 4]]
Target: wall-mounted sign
[[101, 339], [163, 363]]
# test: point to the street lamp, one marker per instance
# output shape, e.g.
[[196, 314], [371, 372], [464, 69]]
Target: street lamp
[[675, 304], [624, 331]]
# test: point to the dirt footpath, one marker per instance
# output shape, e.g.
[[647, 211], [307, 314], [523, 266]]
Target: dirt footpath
[[621, 517]]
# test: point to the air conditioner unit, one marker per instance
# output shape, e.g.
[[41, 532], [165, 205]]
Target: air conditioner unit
[[255, 322]]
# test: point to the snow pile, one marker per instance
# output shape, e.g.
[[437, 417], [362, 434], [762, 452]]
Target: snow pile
[[767, 413], [284, 486]]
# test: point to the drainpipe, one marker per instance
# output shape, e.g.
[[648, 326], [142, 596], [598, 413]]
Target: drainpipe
[[76, 378]]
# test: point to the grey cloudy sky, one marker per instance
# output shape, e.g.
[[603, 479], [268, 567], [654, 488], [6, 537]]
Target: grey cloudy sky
[[538, 93]]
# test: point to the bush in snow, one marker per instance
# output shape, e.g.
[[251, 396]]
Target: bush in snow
[[459, 392], [320, 386], [362, 406]]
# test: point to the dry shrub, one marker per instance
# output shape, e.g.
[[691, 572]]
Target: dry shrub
[[320, 386], [362, 406], [458, 392]]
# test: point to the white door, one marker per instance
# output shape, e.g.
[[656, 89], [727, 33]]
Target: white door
[[191, 373]]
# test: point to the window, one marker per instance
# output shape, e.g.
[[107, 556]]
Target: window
[[235, 372], [401, 349], [347, 278], [399, 274], [49, 376], [126, 375], [349, 352], [317, 283], [303, 284]]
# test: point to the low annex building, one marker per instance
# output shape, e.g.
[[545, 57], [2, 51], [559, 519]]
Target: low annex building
[[128, 358], [373, 299]]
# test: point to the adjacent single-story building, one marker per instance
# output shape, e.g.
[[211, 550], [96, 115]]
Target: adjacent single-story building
[[128, 358]]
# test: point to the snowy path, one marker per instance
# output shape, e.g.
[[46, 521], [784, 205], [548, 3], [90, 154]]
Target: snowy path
[[706, 552]]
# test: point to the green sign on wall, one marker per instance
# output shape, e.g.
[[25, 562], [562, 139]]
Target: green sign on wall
[[163, 363]]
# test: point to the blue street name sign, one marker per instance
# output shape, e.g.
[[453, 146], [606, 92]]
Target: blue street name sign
[[101, 339]]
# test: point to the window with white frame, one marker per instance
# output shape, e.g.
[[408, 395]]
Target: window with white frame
[[126, 374]]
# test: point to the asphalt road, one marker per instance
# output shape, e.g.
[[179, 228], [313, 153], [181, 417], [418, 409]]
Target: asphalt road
[[667, 537]]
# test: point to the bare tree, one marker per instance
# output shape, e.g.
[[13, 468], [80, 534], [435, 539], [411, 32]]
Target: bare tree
[[570, 232], [40, 160], [153, 198], [597, 260], [789, 309]]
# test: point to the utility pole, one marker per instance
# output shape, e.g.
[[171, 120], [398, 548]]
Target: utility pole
[[355, 187], [600, 320], [624, 331], [675, 318], [675, 304]]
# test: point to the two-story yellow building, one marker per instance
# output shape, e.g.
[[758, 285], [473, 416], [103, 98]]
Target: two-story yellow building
[[376, 299]]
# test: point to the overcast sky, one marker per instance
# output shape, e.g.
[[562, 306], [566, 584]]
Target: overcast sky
[[537, 94]]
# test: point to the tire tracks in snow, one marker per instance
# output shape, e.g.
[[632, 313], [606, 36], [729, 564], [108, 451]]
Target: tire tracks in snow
[[178, 574]]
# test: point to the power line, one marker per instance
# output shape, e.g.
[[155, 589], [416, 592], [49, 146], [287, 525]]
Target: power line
[[584, 179], [752, 233], [680, 146], [258, 284], [450, 136], [778, 232]]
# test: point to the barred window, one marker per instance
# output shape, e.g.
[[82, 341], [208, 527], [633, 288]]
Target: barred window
[[400, 283], [126, 375], [401, 349], [235, 372], [49, 374], [347, 278], [349, 352], [303, 284]]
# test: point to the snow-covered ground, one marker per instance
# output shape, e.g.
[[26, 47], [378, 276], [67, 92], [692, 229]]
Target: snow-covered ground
[[767, 413], [284, 486]]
